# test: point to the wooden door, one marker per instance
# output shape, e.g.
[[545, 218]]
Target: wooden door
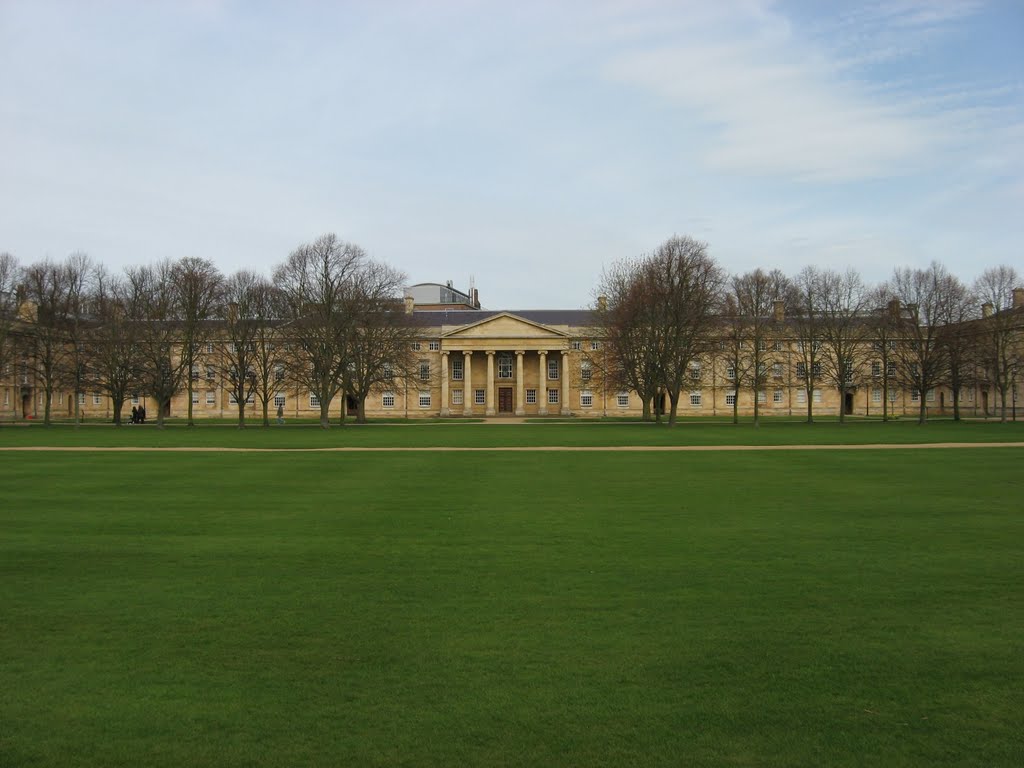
[[504, 399]]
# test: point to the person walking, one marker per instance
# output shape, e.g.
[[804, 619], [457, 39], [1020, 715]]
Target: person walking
[[280, 414]]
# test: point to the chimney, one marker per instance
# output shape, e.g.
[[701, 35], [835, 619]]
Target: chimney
[[894, 309], [986, 309], [779, 310], [602, 303], [1018, 298], [232, 311], [476, 298], [410, 302]]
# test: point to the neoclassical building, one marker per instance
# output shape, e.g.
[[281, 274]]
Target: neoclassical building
[[472, 362]]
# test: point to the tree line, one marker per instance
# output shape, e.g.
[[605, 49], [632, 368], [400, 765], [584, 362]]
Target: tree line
[[330, 320], [666, 314]]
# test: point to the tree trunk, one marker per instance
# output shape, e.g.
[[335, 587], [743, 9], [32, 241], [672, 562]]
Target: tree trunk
[[241, 414], [266, 413], [673, 398], [885, 400], [361, 411], [956, 404], [118, 404], [325, 416], [160, 411], [48, 395], [736, 407], [842, 405], [190, 422], [810, 406], [922, 415]]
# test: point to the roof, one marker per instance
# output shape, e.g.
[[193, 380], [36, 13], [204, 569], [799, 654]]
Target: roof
[[435, 318]]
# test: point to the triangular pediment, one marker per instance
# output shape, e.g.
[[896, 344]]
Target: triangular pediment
[[505, 326]]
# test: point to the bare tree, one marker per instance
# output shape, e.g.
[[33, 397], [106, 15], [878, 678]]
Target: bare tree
[[315, 281], [843, 300], [197, 286], [1000, 330], [110, 355], [9, 273], [808, 324], [380, 344], [924, 359], [151, 304], [957, 336], [884, 331]]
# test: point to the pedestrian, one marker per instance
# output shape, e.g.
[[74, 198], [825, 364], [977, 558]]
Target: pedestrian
[[135, 415], [280, 414], [142, 414]]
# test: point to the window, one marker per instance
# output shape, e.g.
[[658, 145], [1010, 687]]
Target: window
[[762, 397], [552, 397], [211, 398], [777, 396], [876, 369], [458, 369], [97, 398], [314, 401], [586, 398], [577, 345], [817, 395], [195, 397], [135, 399], [553, 370], [595, 345], [278, 373], [415, 346], [81, 398], [816, 370], [876, 395], [479, 397], [434, 346], [211, 373], [279, 401], [929, 396], [60, 398], [777, 346], [622, 399], [970, 395], [388, 371], [531, 397], [232, 400], [762, 345], [195, 373], [730, 398], [848, 371], [892, 346], [695, 371], [585, 371], [876, 346], [209, 348], [424, 370], [730, 373], [232, 347], [456, 397], [915, 395], [387, 400], [890, 369], [801, 396], [696, 399], [776, 370], [893, 394], [424, 399], [504, 366], [801, 370]]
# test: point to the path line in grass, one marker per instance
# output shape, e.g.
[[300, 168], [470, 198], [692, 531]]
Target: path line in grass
[[521, 448]]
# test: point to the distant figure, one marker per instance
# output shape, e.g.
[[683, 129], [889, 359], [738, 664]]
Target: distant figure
[[135, 415], [142, 414], [280, 414]]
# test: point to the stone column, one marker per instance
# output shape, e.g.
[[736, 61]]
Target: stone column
[[566, 409], [444, 385], [520, 384], [542, 384], [490, 383], [467, 385]]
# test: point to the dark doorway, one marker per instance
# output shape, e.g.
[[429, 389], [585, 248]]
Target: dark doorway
[[942, 402], [167, 409], [26, 403], [984, 403], [351, 405], [848, 404], [504, 399], [659, 404]]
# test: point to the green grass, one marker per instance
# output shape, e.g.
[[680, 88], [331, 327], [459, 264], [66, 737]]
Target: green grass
[[434, 434], [782, 609]]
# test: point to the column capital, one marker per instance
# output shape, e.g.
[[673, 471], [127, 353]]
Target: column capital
[[489, 352], [565, 352], [520, 352], [445, 352]]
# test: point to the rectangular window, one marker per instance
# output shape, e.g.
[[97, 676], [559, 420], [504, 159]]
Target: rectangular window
[[387, 400], [279, 401], [577, 345], [777, 396], [777, 346], [929, 396], [388, 371], [552, 397], [876, 369], [594, 346], [730, 373], [458, 369], [695, 371], [195, 397], [211, 373], [314, 401], [211, 398], [816, 370], [696, 399], [232, 400], [424, 399], [730, 398], [890, 369], [801, 370], [777, 370], [135, 399], [434, 346], [893, 395], [622, 399], [209, 348], [762, 397], [585, 371], [278, 373], [504, 366], [97, 398], [817, 395], [586, 398], [531, 397], [424, 370], [195, 373], [60, 398], [876, 395], [801, 396], [415, 346], [479, 397], [915, 395], [553, 370], [456, 397]]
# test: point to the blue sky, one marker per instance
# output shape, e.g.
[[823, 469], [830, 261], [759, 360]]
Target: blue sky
[[527, 145]]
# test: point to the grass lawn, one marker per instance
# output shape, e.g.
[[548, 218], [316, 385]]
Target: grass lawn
[[768, 608], [433, 433]]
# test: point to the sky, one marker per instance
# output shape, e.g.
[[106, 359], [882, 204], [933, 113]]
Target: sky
[[522, 146]]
